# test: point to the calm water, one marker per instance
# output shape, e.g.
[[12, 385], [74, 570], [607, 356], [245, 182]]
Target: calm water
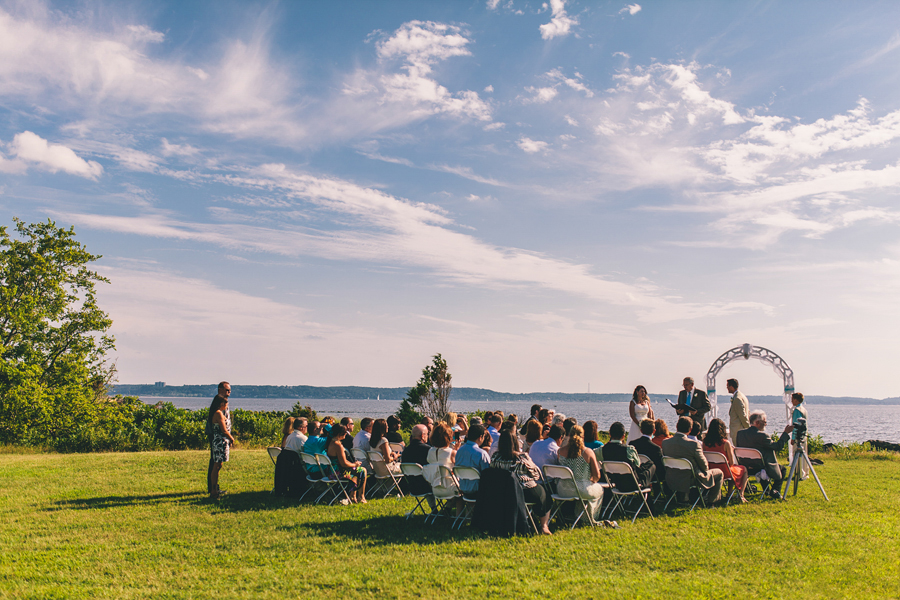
[[835, 423]]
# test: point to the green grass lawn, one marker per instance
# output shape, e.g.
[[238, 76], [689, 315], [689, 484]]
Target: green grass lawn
[[139, 525]]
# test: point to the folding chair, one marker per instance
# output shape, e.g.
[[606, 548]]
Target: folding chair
[[362, 456], [383, 474], [753, 481], [562, 473], [333, 480], [717, 460], [659, 493], [465, 474], [273, 451], [397, 447], [445, 495], [313, 476], [414, 470], [615, 467], [683, 464]]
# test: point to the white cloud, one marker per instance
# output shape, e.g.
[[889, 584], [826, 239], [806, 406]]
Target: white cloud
[[540, 95], [489, 89], [373, 226], [560, 24], [492, 4], [631, 9], [531, 146], [31, 148], [574, 83], [169, 149]]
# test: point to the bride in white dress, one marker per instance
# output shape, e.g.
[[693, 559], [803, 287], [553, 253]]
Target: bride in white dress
[[639, 409]]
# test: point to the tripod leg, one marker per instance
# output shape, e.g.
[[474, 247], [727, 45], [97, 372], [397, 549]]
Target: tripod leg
[[813, 471], [790, 477]]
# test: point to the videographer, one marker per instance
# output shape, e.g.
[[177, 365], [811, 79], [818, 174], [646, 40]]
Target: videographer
[[799, 431]]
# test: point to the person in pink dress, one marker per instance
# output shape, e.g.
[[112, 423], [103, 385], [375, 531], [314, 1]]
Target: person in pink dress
[[716, 440]]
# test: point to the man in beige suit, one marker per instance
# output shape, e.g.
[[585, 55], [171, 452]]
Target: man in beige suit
[[739, 414], [679, 446]]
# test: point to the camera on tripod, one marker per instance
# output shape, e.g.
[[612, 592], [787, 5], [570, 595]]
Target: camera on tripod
[[800, 430]]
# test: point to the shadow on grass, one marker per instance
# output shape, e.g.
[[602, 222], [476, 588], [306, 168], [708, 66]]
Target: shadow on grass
[[393, 530], [238, 502]]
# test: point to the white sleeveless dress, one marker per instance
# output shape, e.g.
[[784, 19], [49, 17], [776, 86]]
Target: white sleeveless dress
[[641, 411]]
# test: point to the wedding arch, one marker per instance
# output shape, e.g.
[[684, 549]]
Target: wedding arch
[[747, 351]]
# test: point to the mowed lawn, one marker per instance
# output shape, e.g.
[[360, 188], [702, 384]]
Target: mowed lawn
[[139, 526]]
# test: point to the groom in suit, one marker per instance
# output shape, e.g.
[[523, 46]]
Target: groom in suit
[[697, 400]]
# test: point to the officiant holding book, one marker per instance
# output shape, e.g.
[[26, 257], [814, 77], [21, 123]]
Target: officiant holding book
[[693, 403]]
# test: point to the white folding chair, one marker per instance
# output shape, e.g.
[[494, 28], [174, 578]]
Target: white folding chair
[[754, 480], [444, 494], [717, 460], [561, 474], [383, 474], [313, 476], [646, 459], [273, 451], [614, 467], [333, 480], [414, 470], [466, 474], [683, 464], [397, 447]]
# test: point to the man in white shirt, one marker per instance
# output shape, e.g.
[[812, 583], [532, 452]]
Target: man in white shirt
[[546, 452], [365, 434], [297, 437]]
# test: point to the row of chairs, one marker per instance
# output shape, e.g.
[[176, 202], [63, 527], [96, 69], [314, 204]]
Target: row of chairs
[[323, 477], [332, 488]]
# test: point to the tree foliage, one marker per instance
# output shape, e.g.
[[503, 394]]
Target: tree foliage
[[430, 396], [53, 345]]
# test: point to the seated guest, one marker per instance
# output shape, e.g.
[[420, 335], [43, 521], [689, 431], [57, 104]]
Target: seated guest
[[429, 423], [297, 438], [506, 426], [661, 432], [716, 440], [590, 436], [546, 452], [286, 428], [616, 450], [347, 442], [532, 434], [315, 444], [440, 454], [695, 431], [583, 463], [644, 445], [365, 433], [509, 458], [755, 437], [393, 433], [417, 452], [535, 409], [558, 419], [568, 423], [679, 446], [351, 471], [544, 416], [494, 431], [470, 454], [379, 443]]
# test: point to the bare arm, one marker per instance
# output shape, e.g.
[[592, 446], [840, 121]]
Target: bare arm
[[631, 412], [729, 453], [591, 459], [342, 457], [219, 419]]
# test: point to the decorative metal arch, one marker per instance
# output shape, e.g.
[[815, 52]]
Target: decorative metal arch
[[746, 351]]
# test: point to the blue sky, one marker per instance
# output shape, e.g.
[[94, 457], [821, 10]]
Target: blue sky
[[550, 195]]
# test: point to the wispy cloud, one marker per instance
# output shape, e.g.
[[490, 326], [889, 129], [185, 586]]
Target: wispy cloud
[[631, 9]]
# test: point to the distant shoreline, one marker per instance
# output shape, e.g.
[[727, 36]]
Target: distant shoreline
[[305, 392]]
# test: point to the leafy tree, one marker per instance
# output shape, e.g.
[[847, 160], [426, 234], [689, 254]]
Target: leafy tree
[[431, 394], [53, 369]]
